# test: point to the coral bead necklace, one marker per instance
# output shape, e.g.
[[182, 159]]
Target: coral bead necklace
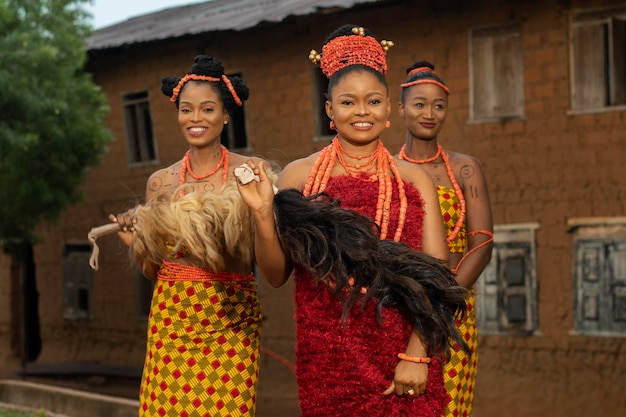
[[382, 160], [186, 168], [360, 167], [455, 184], [404, 156]]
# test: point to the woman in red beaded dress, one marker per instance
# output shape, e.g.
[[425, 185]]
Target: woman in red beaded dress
[[194, 238], [465, 207], [348, 361]]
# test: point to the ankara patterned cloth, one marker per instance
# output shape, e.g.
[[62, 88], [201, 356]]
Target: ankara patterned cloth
[[460, 371], [344, 367], [203, 344], [451, 210]]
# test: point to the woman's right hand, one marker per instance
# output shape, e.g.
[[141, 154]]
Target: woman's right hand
[[126, 222], [258, 195], [269, 254]]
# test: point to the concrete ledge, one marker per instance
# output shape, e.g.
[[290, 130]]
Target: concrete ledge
[[65, 401], [79, 368]]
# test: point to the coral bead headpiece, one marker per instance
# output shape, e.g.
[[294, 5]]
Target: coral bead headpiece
[[198, 77], [424, 80], [357, 49]]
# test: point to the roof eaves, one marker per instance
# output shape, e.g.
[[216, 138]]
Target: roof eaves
[[210, 16]]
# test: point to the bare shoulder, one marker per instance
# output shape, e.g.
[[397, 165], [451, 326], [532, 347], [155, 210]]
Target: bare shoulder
[[457, 158], [164, 179], [295, 173], [411, 172], [465, 166]]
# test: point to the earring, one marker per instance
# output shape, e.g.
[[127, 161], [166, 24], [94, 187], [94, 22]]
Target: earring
[[388, 124], [225, 122], [332, 125]]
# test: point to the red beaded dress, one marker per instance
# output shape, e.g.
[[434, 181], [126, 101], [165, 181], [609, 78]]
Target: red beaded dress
[[344, 367]]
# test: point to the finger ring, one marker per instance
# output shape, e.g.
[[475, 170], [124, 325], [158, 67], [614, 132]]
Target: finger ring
[[410, 392]]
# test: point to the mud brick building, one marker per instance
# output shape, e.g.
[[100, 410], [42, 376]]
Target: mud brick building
[[538, 94]]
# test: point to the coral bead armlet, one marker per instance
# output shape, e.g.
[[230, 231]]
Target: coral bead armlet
[[489, 235], [414, 359]]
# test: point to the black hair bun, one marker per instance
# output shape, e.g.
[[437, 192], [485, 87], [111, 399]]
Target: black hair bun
[[243, 92], [168, 84], [420, 64], [207, 65], [346, 30]]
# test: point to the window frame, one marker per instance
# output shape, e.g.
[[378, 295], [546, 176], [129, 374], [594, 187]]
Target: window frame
[[492, 85], [77, 281], [594, 245], [493, 295], [610, 90], [141, 144], [323, 132]]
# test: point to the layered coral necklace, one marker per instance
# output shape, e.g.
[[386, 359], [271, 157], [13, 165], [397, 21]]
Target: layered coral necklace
[[186, 168], [382, 160], [455, 185]]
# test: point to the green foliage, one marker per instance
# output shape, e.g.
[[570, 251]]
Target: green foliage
[[51, 113], [10, 412]]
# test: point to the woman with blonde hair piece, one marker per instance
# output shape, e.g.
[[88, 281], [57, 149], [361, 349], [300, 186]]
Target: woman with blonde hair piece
[[464, 201], [194, 238]]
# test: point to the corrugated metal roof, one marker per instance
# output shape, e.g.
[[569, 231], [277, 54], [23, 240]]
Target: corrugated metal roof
[[204, 17]]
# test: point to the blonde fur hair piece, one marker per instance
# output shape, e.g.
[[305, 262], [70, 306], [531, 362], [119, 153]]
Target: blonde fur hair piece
[[205, 226]]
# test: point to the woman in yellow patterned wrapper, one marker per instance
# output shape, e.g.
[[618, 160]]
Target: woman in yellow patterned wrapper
[[466, 210], [194, 238]]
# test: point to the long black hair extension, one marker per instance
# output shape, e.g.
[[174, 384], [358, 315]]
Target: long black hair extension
[[343, 247]]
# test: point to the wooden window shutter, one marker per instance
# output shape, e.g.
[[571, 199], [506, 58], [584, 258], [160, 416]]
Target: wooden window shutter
[[487, 306], [508, 77], [617, 285], [514, 266], [589, 90], [600, 277], [497, 74], [589, 266], [483, 94], [617, 62]]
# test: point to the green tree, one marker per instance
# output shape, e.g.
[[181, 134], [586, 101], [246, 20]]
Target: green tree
[[51, 130], [51, 113]]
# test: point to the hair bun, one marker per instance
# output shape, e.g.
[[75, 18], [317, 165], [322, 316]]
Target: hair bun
[[423, 72], [348, 30], [207, 65], [242, 90], [168, 84], [420, 64]]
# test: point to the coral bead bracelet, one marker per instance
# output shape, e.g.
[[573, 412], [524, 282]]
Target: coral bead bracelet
[[414, 359]]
